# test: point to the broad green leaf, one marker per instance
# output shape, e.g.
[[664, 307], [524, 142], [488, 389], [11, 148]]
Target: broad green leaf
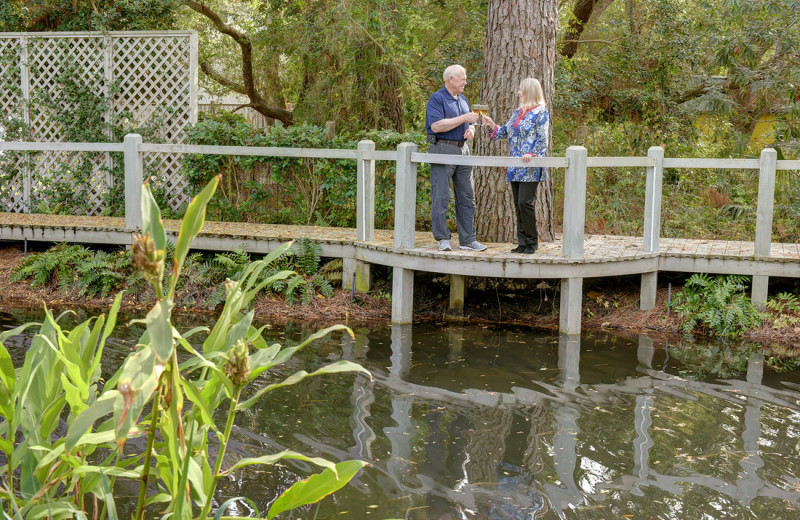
[[83, 423], [16, 331], [287, 353], [107, 470], [192, 222], [151, 219], [194, 395], [335, 368], [316, 487], [277, 457], [159, 329], [228, 502]]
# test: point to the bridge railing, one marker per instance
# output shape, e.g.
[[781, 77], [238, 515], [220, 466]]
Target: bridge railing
[[407, 158]]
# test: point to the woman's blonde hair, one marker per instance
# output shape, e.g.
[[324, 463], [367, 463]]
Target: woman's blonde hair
[[532, 93]]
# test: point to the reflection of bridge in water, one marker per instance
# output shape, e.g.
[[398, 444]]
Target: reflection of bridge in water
[[490, 418]]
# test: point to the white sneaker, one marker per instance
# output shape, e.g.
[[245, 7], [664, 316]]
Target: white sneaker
[[474, 246], [444, 245]]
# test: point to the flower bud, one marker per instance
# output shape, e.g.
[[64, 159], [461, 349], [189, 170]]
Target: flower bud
[[238, 367], [147, 260]]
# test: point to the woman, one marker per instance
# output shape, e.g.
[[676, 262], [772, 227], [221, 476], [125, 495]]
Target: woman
[[527, 132]]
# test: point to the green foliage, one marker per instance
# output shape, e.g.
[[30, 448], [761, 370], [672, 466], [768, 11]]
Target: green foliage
[[56, 265], [717, 306], [97, 15], [721, 361], [784, 309], [289, 190], [65, 472]]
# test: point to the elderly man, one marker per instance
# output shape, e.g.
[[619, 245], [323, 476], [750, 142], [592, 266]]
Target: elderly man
[[449, 123]]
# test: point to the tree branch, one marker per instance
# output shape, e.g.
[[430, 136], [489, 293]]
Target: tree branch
[[247, 87]]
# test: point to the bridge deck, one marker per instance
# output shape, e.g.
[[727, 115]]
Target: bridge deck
[[604, 255]]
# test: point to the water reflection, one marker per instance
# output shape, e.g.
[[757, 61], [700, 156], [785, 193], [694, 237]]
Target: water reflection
[[474, 423]]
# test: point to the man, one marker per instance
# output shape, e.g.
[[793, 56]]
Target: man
[[449, 123]]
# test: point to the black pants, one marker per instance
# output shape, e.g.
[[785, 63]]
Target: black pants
[[524, 194]]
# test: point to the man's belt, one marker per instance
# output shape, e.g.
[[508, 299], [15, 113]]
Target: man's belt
[[433, 140]]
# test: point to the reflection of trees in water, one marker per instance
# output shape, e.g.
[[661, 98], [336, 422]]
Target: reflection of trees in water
[[486, 442]]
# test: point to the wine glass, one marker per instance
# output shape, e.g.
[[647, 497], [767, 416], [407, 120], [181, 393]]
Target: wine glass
[[481, 110]]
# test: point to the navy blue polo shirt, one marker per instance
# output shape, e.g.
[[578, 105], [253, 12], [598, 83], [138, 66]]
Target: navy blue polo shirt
[[442, 105]]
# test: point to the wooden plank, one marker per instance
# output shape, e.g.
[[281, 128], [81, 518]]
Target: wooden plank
[[479, 160], [260, 151], [731, 164], [623, 162], [788, 165], [61, 147]]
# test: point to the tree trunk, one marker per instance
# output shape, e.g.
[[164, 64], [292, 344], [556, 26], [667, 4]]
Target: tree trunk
[[520, 43]]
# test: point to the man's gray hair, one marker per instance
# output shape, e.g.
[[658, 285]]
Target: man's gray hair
[[452, 70]]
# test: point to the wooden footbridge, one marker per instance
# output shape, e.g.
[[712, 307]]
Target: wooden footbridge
[[572, 257]]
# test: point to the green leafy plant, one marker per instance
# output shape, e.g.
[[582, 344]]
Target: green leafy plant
[[717, 306], [154, 396], [57, 263], [785, 310]]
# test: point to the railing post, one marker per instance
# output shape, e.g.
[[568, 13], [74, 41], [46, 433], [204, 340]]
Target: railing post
[[405, 211], [365, 218], [573, 238], [133, 181], [766, 205], [27, 173], [405, 207], [365, 193], [652, 225]]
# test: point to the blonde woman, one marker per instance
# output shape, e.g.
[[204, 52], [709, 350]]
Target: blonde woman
[[527, 132]]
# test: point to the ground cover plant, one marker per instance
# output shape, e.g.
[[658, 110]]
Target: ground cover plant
[[65, 432]]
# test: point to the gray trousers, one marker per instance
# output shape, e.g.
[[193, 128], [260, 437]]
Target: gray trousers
[[463, 192]]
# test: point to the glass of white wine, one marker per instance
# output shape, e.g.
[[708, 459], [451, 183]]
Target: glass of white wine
[[481, 110]]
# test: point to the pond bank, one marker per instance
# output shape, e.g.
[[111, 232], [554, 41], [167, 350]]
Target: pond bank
[[612, 306]]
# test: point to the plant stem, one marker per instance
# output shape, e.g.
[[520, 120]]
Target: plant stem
[[223, 443], [148, 452]]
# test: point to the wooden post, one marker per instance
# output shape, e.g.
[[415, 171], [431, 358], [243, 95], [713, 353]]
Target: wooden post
[[652, 225], [365, 217], [365, 193], [766, 205], [27, 181], [574, 202], [330, 130], [405, 206], [458, 289], [133, 182], [573, 238], [405, 211]]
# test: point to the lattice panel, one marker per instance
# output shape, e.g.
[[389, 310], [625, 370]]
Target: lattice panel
[[12, 170], [151, 78]]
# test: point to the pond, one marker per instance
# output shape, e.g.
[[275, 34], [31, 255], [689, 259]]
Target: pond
[[466, 422]]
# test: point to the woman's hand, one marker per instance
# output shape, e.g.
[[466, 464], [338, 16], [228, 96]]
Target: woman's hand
[[527, 157], [488, 121]]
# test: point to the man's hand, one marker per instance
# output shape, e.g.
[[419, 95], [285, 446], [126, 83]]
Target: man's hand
[[470, 133]]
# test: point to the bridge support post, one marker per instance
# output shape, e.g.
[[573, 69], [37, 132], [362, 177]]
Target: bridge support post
[[458, 290], [573, 238], [405, 212], [569, 315], [365, 217], [766, 205], [652, 225], [402, 295], [134, 166]]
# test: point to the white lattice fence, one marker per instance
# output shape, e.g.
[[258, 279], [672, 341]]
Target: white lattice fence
[[148, 80]]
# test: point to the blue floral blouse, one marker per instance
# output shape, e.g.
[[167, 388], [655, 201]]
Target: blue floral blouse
[[527, 132]]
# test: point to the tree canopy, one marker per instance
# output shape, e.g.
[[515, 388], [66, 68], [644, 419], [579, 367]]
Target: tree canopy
[[372, 63]]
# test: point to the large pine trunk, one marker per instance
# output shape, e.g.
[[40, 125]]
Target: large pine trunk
[[520, 43]]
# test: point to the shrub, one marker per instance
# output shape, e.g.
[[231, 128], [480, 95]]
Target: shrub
[[717, 306]]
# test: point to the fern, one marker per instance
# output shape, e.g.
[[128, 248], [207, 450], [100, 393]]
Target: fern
[[57, 264], [717, 306], [307, 256]]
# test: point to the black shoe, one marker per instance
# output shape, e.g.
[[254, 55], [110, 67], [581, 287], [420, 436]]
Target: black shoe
[[529, 250], [519, 249]]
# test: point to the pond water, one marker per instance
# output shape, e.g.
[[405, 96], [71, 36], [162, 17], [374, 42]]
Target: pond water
[[464, 422]]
